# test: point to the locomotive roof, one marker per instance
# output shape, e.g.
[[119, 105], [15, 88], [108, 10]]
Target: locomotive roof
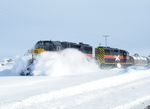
[[109, 48], [49, 41], [63, 42]]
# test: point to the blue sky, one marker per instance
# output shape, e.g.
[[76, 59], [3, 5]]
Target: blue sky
[[24, 22]]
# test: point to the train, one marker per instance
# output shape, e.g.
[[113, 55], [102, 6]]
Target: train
[[106, 57]]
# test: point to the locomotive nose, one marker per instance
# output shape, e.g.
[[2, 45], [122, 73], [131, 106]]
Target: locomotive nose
[[38, 51]]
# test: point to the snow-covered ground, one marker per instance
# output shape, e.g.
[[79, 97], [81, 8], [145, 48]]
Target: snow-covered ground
[[67, 80]]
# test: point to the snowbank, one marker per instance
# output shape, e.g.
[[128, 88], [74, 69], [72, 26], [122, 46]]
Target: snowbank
[[73, 96]]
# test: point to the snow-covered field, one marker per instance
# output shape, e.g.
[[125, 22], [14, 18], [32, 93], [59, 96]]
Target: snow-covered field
[[67, 80]]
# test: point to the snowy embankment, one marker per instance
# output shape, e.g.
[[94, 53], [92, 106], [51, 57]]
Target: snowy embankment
[[74, 86], [120, 92]]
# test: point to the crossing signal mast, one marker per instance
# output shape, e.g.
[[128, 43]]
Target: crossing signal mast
[[106, 36]]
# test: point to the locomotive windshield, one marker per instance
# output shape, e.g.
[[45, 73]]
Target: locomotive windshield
[[46, 45]]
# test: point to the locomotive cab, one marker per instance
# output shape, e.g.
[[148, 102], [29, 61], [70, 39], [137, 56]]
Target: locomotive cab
[[42, 46]]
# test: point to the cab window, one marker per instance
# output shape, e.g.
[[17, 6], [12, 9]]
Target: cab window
[[107, 52]]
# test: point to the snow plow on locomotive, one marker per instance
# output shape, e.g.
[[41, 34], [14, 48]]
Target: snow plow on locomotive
[[106, 57]]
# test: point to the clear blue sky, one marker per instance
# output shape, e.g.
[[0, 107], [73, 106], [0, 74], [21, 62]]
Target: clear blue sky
[[23, 22]]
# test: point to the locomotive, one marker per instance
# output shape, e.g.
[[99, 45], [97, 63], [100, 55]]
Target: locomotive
[[106, 57], [114, 57], [111, 57], [42, 46]]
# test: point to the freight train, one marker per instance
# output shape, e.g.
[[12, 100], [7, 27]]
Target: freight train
[[106, 57]]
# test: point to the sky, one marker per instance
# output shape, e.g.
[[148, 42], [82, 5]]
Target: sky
[[24, 22]]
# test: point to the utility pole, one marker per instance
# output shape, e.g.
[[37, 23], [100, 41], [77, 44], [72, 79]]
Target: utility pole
[[106, 36]]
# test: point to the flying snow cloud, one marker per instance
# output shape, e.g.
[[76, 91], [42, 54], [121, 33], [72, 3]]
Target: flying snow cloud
[[66, 62]]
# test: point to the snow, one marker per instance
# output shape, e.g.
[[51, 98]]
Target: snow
[[67, 80], [66, 62]]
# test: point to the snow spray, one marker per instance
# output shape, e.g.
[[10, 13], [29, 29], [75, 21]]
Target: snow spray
[[66, 62]]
